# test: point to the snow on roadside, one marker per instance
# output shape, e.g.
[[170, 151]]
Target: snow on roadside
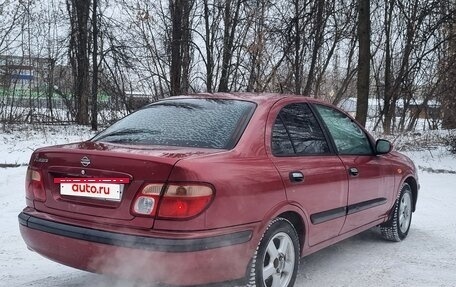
[[425, 258], [19, 141], [434, 159]]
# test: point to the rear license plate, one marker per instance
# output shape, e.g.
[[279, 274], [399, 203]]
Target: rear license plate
[[108, 189]]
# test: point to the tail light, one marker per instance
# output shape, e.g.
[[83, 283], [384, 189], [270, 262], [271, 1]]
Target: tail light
[[146, 200], [179, 201], [34, 188]]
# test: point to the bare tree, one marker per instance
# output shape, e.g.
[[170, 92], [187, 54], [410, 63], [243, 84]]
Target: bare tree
[[94, 121], [230, 23], [209, 36], [320, 22], [363, 60], [414, 44], [10, 16], [389, 6], [256, 48], [180, 45], [78, 11], [148, 50], [448, 87]]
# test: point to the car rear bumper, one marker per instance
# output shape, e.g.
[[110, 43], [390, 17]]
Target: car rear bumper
[[188, 261]]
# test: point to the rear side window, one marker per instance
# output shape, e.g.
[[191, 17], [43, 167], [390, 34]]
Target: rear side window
[[297, 132], [205, 123]]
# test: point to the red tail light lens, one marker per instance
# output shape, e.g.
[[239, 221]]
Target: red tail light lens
[[184, 201], [177, 202], [34, 188]]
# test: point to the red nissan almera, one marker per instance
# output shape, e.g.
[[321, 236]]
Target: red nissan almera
[[215, 187]]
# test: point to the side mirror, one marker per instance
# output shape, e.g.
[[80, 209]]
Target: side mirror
[[383, 146]]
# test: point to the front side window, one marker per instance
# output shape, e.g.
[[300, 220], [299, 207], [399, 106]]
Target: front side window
[[348, 137], [297, 132], [205, 123]]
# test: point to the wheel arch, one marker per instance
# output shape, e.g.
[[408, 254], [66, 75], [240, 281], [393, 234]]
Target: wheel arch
[[298, 223], [411, 181], [292, 213]]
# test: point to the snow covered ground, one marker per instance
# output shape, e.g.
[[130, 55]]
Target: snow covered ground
[[426, 258]]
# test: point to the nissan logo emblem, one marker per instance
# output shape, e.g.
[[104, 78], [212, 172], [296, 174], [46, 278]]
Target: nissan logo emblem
[[85, 161]]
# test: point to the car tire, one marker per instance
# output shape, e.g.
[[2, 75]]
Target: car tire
[[276, 259], [398, 226]]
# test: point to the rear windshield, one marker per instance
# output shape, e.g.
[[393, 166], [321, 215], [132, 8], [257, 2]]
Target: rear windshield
[[206, 123]]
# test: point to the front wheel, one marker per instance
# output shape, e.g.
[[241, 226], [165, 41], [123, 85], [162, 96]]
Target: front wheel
[[275, 263], [397, 228]]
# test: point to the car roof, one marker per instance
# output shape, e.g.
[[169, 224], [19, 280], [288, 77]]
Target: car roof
[[259, 98]]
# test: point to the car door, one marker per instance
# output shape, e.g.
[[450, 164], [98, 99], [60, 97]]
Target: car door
[[314, 177], [370, 181]]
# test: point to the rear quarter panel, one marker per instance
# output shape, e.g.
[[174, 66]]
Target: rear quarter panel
[[246, 189]]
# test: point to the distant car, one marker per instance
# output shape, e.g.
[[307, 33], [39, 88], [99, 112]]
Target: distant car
[[215, 187]]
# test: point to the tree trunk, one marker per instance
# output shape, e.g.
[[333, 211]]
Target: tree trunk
[[176, 8], [297, 42], [389, 4], [449, 98], [257, 47], [319, 27], [363, 61], [230, 22], [95, 67], [209, 49], [79, 56], [180, 45], [185, 46]]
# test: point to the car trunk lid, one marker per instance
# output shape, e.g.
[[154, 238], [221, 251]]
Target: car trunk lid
[[90, 161]]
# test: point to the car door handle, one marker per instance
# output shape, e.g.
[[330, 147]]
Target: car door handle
[[353, 171], [296, 176]]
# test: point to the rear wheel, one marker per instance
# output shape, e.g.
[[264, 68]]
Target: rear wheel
[[397, 228], [275, 263]]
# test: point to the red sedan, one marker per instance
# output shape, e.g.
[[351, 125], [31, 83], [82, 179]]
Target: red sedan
[[215, 187]]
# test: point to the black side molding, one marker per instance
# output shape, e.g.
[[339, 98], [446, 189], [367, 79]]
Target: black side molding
[[357, 207], [331, 214], [134, 241], [327, 215]]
